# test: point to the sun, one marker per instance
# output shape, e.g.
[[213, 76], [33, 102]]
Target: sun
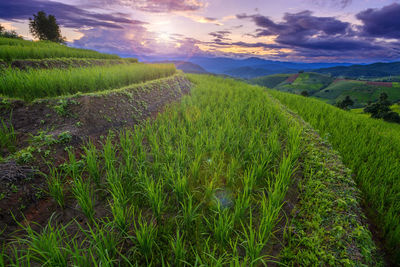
[[164, 36]]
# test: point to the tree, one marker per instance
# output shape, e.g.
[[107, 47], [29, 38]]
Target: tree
[[304, 93], [381, 109], [45, 27], [345, 103], [8, 34]]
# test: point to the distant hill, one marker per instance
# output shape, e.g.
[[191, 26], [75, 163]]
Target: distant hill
[[252, 72], [254, 67], [330, 89], [363, 71], [187, 67], [271, 81], [295, 83]]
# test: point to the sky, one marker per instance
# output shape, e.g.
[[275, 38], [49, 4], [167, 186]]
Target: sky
[[285, 30]]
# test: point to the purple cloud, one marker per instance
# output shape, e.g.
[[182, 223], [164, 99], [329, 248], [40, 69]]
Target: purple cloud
[[156, 6], [67, 15], [384, 22]]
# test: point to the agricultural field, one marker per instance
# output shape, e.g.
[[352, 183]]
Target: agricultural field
[[310, 82], [112, 162], [11, 49], [40, 83], [360, 91], [271, 81], [371, 148], [331, 90], [225, 177]]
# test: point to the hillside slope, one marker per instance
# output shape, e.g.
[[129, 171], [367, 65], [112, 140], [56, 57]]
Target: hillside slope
[[363, 71]]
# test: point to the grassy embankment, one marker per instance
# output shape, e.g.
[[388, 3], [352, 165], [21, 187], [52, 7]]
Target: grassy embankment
[[371, 148], [40, 83]]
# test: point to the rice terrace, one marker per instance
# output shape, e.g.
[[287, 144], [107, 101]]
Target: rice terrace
[[268, 136]]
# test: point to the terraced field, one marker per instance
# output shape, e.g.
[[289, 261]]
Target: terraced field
[[205, 183], [11, 49]]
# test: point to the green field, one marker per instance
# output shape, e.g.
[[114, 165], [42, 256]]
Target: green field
[[371, 148], [270, 81], [11, 49], [359, 91], [32, 84], [325, 88], [310, 82], [205, 185]]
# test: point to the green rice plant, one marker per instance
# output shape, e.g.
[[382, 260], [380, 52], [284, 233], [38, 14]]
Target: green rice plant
[[127, 147], [145, 237], [109, 152], [103, 244], [48, 248], [155, 196], [73, 166], [55, 186], [221, 225], [190, 213], [83, 193], [179, 184], [253, 242], [178, 248], [242, 205], [8, 138], [91, 161]]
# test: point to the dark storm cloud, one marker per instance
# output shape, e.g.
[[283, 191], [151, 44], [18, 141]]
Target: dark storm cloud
[[305, 30], [384, 22], [67, 15], [328, 37]]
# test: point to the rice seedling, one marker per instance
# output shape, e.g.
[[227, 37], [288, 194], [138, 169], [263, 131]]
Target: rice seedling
[[178, 248], [155, 196], [221, 225], [83, 193], [55, 186], [103, 244], [8, 138], [48, 247], [91, 162], [40, 83], [190, 213], [145, 237]]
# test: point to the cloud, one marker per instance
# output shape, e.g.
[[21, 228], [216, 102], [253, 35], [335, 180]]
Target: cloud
[[135, 41], [305, 30], [157, 6], [220, 35], [333, 3], [67, 15], [382, 22], [309, 36]]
